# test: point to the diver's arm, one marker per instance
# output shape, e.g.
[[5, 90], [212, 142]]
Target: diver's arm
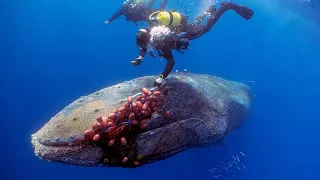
[[167, 54], [139, 59], [143, 52], [118, 13]]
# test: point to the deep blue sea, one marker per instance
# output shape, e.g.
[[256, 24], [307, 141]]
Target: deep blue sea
[[54, 51]]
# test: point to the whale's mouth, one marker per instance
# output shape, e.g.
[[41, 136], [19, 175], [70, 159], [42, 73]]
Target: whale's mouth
[[45, 148], [66, 152], [72, 141]]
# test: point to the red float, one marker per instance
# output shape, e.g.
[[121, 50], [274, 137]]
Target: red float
[[145, 90], [135, 122], [112, 116], [97, 126], [167, 114], [131, 116], [136, 163], [139, 104], [143, 126], [88, 134], [111, 143], [122, 109], [130, 100], [157, 93], [124, 159], [99, 118], [123, 141], [110, 123], [96, 137], [145, 106]]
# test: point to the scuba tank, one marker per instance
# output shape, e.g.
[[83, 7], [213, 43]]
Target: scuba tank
[[166, 18]]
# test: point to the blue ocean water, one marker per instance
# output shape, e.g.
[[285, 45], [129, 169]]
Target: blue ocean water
[[53, 52]]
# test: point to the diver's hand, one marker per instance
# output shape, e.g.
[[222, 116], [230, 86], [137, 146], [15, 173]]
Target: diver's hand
[[137, 61], [159, 81], [106, 22]]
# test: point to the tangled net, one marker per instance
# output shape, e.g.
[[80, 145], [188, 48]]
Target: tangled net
[[116, 133]]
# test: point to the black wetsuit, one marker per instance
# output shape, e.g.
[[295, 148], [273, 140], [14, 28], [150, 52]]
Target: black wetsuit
[[137, 12], [164, 50], [193, 31], [315, 4]]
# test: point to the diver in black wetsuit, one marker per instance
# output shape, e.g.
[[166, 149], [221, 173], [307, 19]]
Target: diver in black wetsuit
[[181, 41], [315, 4], [136, 10]]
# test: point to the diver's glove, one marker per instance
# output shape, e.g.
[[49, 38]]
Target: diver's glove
[[106, 22], [137, 61], [159, 81]]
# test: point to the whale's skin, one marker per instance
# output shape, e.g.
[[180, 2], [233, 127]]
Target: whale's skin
[[204, 110]]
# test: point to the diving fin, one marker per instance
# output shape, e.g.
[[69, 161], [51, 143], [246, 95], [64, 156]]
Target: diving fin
[[243, 11]]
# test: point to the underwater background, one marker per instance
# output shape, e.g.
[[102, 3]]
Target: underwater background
[[54, 51]]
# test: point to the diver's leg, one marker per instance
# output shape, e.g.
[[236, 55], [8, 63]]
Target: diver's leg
[[243, 11], [163, 5], [150, 4], [195, 31], [199, 18]]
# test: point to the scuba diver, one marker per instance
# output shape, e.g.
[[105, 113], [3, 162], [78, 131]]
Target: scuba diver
[[136, 10], [175, 34]]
